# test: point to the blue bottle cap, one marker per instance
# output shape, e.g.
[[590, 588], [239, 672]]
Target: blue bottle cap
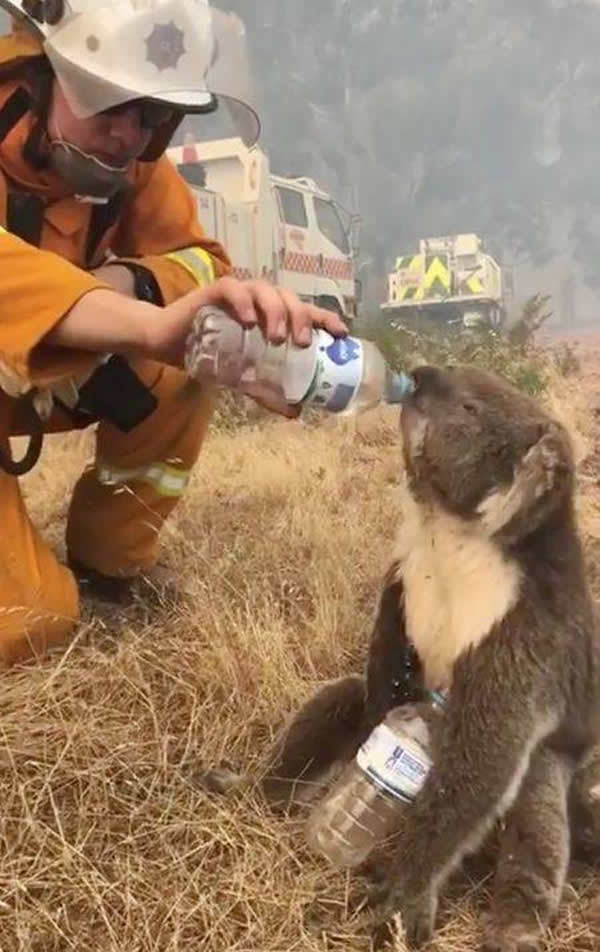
[[399, 386]]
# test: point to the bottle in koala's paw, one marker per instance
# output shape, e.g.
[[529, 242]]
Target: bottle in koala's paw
[[363, 806], [345, 375]]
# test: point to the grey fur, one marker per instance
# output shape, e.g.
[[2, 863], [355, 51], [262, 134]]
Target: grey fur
[[524, 709]]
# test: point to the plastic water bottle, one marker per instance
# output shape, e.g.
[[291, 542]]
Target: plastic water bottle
[[341, 375], [365, 804]]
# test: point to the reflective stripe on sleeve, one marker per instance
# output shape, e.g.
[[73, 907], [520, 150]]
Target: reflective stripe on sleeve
[[196, 262]]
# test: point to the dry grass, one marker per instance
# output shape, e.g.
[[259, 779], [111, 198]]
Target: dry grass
[[108, 844]]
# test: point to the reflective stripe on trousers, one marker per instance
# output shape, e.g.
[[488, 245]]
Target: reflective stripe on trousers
[[166, 480]]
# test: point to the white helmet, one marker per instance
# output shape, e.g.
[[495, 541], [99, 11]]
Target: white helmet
[[183, 53]]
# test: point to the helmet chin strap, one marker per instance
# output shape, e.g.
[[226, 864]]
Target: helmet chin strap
[[93, 180]]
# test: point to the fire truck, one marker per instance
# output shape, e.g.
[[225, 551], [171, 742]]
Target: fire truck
[[285, 230], [450, 280]]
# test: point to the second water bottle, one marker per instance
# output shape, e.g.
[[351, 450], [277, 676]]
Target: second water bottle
[[366, 803]]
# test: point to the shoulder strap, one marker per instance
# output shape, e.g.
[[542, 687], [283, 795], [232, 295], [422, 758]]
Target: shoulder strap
[[3, 199], [13, 110], [23, 214]]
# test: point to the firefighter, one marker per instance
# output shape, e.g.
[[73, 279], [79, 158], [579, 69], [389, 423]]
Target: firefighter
[[103, 265]]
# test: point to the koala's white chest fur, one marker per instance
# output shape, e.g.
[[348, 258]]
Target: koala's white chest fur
[[457, 585]]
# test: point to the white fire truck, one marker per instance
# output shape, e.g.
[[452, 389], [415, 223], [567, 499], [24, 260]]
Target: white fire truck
[[286, 230]]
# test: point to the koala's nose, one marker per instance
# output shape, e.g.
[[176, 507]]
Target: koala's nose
[[430, 380]]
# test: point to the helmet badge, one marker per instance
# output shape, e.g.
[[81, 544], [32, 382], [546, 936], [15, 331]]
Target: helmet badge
[[164, 46]]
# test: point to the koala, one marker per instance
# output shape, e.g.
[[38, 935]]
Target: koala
[[486, 597]]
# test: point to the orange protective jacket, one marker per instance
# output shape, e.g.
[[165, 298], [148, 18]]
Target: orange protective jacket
[[39, 284]]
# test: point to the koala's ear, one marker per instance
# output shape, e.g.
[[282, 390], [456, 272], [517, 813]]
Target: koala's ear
[[540, 481]]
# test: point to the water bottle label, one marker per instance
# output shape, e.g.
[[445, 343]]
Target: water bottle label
[[338, 372], [343, 350], [399, 766]]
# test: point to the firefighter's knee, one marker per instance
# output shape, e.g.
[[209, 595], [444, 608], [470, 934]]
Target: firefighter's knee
[[37, 615], [39, 601], [119, 505]]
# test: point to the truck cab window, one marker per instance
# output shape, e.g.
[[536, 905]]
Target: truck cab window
[[292, 204], [330, 225]]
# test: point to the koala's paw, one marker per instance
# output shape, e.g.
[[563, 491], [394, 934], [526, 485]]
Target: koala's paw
[[541, 463], [413, 920], [513, 937]]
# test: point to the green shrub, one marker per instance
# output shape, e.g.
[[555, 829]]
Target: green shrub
[[566, 360], [512, 352]]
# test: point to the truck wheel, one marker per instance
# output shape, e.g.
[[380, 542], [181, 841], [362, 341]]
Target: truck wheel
[[495, 317]]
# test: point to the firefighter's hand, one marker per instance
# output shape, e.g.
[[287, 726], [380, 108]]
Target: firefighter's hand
[[280, 313], [104, 321]]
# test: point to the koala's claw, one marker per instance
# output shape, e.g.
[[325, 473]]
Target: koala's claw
[[510, 943], [515, 935], [415, 920], [418, 922], [384, 935], [377, 894]]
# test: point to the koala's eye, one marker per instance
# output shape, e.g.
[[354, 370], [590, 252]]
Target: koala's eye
[[470, 408]]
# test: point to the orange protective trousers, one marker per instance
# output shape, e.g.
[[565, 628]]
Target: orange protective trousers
[[117, 509]]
